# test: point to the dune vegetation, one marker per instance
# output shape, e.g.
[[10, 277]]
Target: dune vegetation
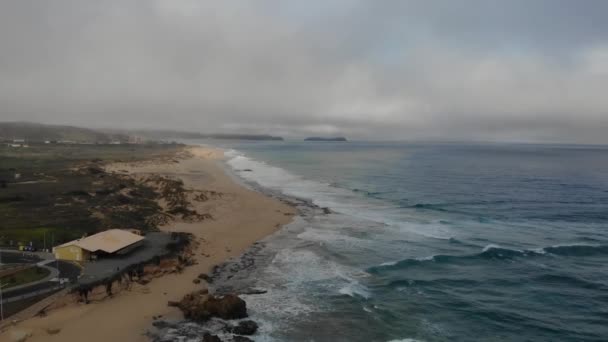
[[51, 193]]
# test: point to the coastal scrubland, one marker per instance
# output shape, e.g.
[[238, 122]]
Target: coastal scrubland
[[24, 276], [50, 193]]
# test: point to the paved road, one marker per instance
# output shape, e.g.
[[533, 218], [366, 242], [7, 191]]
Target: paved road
[[28, 289], [17, 297], [60, 269], [67, 270], [53, 273]]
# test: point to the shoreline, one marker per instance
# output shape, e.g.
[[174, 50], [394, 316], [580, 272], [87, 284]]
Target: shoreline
[[241, 216], [244, 275]]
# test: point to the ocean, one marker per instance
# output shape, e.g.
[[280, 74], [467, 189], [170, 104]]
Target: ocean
[[432, 242]]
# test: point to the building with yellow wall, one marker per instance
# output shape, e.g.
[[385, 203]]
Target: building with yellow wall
[[109, 242], [71, 252]]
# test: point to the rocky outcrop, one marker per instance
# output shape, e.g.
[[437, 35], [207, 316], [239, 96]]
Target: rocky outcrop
[[161, 324], [207, 337], [226, 307], [247, 327], [201, 306], [205, 277]]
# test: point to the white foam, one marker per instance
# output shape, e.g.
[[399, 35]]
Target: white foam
[[231, 153], [389, 263], [355, 289], [301, 266], [334, 237], [494, 246], [280, 300], [296, 277], [490, 246], [340, 200], [290, 280], [539, 250]]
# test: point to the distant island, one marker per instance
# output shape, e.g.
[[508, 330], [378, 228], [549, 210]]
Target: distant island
[[325, 139]]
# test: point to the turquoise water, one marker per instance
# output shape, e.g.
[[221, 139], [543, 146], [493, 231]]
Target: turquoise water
[[435, 242]]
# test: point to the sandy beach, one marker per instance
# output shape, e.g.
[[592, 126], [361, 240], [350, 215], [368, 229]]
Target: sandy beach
[[240, 217]]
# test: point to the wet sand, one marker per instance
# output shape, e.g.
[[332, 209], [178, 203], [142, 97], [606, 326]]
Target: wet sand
[[240, 218]]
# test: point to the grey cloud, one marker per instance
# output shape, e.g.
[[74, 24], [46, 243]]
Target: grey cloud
[[490, 70]]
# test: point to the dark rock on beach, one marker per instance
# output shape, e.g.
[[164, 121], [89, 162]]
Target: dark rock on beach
[[226, 307], [210, 312], [247, 327], [205, 277], [210, 330], [207, 337], [187, 331], [164, 324], [200, 306]]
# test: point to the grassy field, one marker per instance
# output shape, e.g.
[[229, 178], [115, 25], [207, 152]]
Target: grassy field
[[51, 193], [23, 277]]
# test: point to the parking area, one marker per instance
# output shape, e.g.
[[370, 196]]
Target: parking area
[[8, 257]]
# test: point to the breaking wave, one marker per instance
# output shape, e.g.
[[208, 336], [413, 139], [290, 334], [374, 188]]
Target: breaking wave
[[495, 252]]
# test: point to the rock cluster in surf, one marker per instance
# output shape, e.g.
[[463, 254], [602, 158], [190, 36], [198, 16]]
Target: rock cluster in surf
[[210, 316]]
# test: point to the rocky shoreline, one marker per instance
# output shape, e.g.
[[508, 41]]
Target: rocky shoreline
[[224, 287], [216, 312], [212, 315]]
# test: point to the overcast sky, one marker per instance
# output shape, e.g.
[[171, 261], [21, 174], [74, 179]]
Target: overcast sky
[[510, 70]]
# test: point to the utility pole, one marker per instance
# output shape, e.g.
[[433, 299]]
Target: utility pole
[[56, 260], [1, 299], [1, 304]]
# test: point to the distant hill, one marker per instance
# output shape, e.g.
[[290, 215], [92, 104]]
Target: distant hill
[[160, 134], [34, 132], [325, 139]]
